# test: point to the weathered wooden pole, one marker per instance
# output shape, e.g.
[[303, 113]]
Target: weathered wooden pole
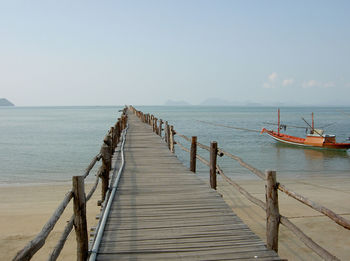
[[272, 211], [166, 134], [213, 155], [155, 125], [106, 167], [123, 122], [160, 127], [79, 206], [172, 141], [193, 154], [116, 134], [111, 139]]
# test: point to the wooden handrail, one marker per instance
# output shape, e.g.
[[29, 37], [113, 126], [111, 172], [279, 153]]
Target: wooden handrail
[[244, 192], [59, 246], [68, 228], [34, 245], [326, 211], [307, 240], [92, 164], [257, 172], [202, 146]]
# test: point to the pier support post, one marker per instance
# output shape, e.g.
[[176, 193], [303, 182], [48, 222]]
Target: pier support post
[[155, 128], [193, 154], [272, 211], [172, 141], [213, 155], [166, 130], [160, 127], [79, 205], [106, 167]]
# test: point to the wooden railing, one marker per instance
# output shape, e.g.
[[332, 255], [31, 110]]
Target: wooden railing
[[271, 206], [77, 193]]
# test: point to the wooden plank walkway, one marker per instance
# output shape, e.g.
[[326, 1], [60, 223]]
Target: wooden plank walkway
[[163, 211]]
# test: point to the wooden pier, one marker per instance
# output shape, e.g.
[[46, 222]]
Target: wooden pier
[[156, 209], [161, 210]]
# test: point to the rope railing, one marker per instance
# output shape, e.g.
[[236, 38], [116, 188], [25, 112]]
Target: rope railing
[[269, 206], [110, 142]]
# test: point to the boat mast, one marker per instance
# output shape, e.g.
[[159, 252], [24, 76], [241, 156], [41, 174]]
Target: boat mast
[[278, 122], [313, 124]]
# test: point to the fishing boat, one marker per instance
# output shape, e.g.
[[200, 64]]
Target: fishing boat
[[315, 138]]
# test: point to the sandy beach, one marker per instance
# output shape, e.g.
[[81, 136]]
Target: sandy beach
[[25, 209], [331, 192]]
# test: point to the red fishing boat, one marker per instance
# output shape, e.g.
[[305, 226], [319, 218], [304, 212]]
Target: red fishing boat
[[316, 138]]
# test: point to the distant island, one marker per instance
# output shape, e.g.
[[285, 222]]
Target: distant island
[[5, 102]]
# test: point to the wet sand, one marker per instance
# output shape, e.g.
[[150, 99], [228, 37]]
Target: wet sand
[[331, 192], [25, 209]]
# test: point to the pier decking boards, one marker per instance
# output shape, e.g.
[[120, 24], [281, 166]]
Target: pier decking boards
[[162, 211]]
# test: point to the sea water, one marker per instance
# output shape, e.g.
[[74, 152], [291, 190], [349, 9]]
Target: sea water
[[52, 144], [261, 151]]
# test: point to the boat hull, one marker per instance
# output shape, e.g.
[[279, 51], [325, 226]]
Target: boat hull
[[304, 142]]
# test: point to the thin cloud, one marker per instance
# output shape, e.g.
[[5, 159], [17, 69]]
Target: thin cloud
[[273, 76], [287, 82], [271, 81], [267, 85], [317, 84], [310, 84], [329, 84]]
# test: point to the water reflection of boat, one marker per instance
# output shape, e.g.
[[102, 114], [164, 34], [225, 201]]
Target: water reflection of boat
[[314, 154], [315, 139]]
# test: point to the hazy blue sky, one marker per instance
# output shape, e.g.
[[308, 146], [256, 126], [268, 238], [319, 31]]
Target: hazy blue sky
[[146, 52]]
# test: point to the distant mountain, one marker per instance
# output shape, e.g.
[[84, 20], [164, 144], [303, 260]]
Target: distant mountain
[[5, 102], [176, 103]]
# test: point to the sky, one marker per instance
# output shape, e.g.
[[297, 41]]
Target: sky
[[67, 52]]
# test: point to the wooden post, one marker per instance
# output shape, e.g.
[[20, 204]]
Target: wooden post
[[272, 211], [193, 154], [106, 167], [213, 154], [79, 205], [166, 136], [160, 127], [123, 122], [110, 139], [116, 134], [155, 124], [172, 142]]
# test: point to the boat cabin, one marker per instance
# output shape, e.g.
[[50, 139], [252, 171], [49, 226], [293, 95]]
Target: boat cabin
[[317, 138]]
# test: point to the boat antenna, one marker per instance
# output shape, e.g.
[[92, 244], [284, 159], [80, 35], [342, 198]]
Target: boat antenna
[[311, 127], [278, 122]]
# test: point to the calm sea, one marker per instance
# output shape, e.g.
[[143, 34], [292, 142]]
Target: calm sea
[[52, 144]]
